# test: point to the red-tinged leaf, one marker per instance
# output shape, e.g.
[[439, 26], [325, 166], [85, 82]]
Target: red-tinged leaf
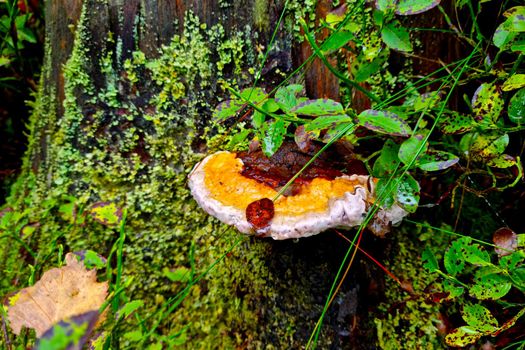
[[107, 213], [384, 122], [413, 7], [437, 160], [67, 332], [259, 213], [304, 139], [318, 107], [506, 241]]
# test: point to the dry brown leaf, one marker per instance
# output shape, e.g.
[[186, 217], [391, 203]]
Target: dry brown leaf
[[60, 294]]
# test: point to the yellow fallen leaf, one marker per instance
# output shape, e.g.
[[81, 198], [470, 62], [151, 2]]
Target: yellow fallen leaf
[[60, 294]]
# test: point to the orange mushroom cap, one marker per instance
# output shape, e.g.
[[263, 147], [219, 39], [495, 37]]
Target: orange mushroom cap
[[220, 188]]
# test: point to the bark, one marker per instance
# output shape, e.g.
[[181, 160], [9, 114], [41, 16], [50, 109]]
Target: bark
[[122, 115]]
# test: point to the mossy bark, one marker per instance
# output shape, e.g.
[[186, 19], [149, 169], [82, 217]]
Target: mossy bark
[[122, 115]]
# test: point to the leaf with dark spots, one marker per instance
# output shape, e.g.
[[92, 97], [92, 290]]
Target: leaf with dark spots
[[325, 122], [413, 7], [482, 147], [506, 241], [453, 259], [259, 213], [304, 139], [384, 122], [107, 213], [456, 123], [318, 107], [336, 41], [502, 161], [227, 109], [490, 287], [437, 160], [407, 193], [462, 336], [515, 81], [286, 97], [429, 260], [487, 104], [479, 318]]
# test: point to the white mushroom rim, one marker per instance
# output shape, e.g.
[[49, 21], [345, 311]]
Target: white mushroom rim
[[219, 188]]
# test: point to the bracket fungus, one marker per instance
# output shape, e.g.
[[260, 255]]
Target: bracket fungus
[[239, 188]]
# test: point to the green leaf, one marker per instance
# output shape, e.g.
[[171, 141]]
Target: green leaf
[[396, 37], [385, 5], [407, 193], [385, 192], [462, 336], [4, 61], [362, 68], [410, 147], [286, 97], [490, 287], [482, 147], [337, 40], [479, 318], [92, 260], [515, 81], [273, 136], [453, 259], [384, 122], [388, 161], [437, 160], [26, 34], [504, 34], [456, 123], [336, 129], [107, 213], [516, 109], [474, 253], [255, 95], [487, 104], [325, 122], [180, 274], [413, 7], [238, 138], [454, 290], [227, 109], [318, 107], [133, 335], [424, 101], [429, 260], [502, 161], [130, 308]]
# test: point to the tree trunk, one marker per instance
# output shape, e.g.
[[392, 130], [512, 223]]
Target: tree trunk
[[122, 115]]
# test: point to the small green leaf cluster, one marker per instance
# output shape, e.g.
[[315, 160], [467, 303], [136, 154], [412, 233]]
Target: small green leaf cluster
[[470, 275], [20, 27]]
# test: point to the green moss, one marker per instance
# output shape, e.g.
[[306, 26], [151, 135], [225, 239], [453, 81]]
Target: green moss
[[129, 141], [260, 14], [409, 322]]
